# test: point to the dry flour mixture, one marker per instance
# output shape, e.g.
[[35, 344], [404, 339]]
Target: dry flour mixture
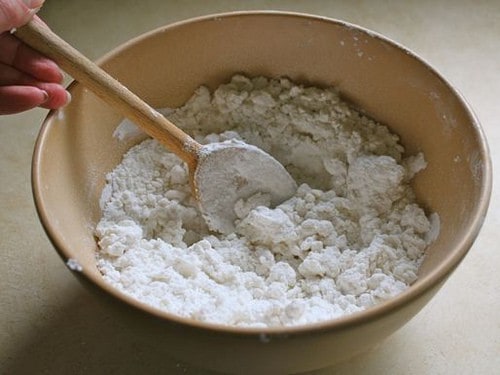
[[351, 237]]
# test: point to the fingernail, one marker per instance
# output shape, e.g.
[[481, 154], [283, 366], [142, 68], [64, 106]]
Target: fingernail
[[31, 13], [45, 96], [33, 4], [68, 98]]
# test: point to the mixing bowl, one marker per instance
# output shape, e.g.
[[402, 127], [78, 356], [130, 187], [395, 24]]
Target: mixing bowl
[[76, 148]]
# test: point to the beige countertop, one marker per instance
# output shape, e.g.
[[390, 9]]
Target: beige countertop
[[50, 325]]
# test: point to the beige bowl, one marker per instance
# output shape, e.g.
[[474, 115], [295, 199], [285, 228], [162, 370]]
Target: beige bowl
[[76, 148]]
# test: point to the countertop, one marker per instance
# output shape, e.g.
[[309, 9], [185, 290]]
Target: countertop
[[50, 325]]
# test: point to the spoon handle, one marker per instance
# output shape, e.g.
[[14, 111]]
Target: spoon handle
[[38, 36]]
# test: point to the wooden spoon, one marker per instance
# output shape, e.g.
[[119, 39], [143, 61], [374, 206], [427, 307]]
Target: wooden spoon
[[220, 173]]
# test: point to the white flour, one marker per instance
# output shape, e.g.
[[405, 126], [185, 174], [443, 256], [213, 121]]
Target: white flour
[[351, 237]]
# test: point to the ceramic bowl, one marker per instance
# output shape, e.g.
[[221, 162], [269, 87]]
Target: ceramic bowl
[[76, 148]]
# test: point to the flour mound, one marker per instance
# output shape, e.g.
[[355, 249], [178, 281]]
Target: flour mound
[[351, 237]]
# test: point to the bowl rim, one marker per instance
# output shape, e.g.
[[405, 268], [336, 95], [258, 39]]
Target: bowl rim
[[420, 287]]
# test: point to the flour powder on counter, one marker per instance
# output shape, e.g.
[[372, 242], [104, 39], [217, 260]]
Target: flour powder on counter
[[351, 237]]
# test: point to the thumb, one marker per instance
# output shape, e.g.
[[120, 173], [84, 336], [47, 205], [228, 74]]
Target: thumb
[[15, 13]]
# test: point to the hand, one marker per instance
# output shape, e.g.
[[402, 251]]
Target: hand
[[27, 78]]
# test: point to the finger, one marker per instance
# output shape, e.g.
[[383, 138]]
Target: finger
[[13, 77], [18, 98], [15, 99], [14, 13], [57, 95], [17, 54]]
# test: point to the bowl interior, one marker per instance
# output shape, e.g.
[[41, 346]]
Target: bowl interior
[[76, 147]]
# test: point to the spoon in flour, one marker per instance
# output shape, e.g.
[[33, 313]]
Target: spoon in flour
[[220, 173]]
